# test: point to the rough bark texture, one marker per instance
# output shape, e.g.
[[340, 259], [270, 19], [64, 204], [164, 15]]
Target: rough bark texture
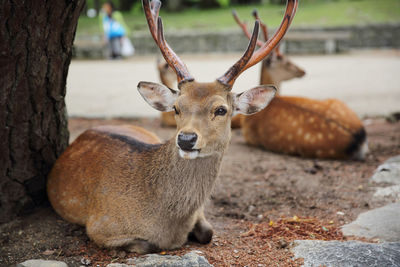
[[35, 51]]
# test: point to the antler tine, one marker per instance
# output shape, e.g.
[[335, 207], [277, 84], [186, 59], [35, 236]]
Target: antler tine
[[265, 31], [155, 8], [262, 24], [150, 16], [230, 76], [151, 11], [172, 59], [261, 53], [243, 26]]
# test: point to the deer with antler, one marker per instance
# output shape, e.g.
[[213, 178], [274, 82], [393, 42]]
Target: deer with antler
[[297, 125], [132, 191]]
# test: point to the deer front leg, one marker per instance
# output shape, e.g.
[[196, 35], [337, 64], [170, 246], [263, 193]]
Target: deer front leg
[[142, 247], [202, 231]]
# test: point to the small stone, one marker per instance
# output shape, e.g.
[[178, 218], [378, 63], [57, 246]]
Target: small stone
[[340, 213], [48, 252], [282, 243], [85, 261], [260, 216], [235, 251], [251, 208]]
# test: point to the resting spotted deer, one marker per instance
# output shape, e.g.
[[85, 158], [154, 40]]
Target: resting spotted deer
[[132, 191], [297, 125]]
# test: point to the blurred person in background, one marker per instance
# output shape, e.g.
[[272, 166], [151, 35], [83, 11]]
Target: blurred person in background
[[115, 31]]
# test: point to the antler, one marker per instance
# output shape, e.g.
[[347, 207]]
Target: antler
[[244, 27], [265, 48], [151, 11], [230, 76], [262, 24], [265, 31]]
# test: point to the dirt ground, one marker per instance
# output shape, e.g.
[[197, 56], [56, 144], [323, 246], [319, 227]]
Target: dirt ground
[[262, 202]]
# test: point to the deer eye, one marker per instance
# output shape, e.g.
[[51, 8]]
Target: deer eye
[[221, 111], [176, 111]]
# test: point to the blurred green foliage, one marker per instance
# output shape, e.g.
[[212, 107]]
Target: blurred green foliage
[[310, 12]]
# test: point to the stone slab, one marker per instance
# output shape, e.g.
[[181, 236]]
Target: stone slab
[[382, 223], [388, 172], [42, 263], [346, 254], [188, 260], [389, 191]]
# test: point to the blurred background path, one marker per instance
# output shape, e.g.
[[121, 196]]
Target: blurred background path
[[368, 81]]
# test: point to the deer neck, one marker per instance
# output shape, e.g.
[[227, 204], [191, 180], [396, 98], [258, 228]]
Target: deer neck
[[266, 77], [182, 185], [167, 81]]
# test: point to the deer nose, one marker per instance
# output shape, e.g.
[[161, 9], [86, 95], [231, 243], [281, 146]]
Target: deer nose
[[186, 141]]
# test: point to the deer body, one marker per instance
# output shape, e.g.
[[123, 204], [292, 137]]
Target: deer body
[[131, 191], [306, 127], [165, 191]]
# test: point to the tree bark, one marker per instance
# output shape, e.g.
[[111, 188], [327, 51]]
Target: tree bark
[[36, 39]]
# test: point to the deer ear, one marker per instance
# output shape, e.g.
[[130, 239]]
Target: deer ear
[[158, 96], [254, 100]]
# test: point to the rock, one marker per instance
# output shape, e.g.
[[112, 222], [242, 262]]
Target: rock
[[130, 261], [390, 191], [382, 223], [42, 263], [118, 265], [388, 172], [352, 253], [188, 260]]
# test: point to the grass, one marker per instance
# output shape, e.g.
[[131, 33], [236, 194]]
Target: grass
[[326, 13]]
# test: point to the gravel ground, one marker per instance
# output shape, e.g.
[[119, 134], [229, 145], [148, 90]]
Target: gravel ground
[[256, 190]]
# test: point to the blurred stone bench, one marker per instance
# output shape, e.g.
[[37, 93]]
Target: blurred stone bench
[[89, 47], [316, 42], [300, 40]]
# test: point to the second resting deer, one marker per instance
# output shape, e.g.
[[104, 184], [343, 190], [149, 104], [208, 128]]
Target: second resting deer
[[132, 191], [297, 125]]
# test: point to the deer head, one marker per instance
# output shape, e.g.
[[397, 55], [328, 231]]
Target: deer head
[[276, 67], [203, 111]]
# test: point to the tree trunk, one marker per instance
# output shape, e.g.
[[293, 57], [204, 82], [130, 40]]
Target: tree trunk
[[35, 52]]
